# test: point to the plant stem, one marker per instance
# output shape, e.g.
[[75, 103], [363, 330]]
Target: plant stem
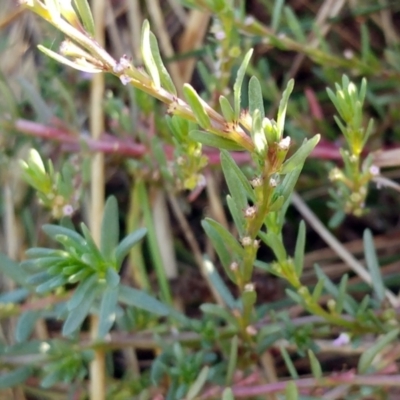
[[97, 366]]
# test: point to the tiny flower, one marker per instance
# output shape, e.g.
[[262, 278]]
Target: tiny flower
[[67, 210], [341, 340], [125, 79], [249, 287], [348, 54], [220, 35], [251, 330], [284, 143], [123, 64], [250, 212], [234, 266], [256, 182], [249, 20], [246, 241], [374, 170], [273, 182]]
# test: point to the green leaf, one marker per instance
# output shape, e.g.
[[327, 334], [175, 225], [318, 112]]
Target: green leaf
[[78, 314], [232, 360], [85, 14], [94, 253], [142, 300], [226, 108], [107, 312], [212, 140], [14, 378], [350, 305], [289, 363], [165, 78], [197, 106], [238, 218], [25, 325], [256, 101], [53, 231], [13, 270], [342, 294], [219, 245], [112, 277], [227, 394], [147, 54], [300, 248], [127, 243], [368, 355], [218, 311], [300, 156], [283, 106], [63, 60], [219, 284], [291, 391], [277, 14], [273, 241], [198, 384], [373, 265], [226, 236], [237, 87], [79, 295], [315, 365], [109, 229], [294, 25], [51, 284], [239, 186]]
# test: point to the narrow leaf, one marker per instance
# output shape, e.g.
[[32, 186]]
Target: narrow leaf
[[300, 248], [147, 55], [218, 311], [239, 186], [212, 140], [142, 300], [315, 365], [86, 15], [373, 265], [237, 88], [232, 360], [294, 25], [219, 284], [224, 254], [256, 101], [80, 292], [368, 355], [14, 378], [107, 312], [127, 243], [283, 106], [226, 108], [85, 67], [275, 244], [25, 325], [301, 155], [277, 14], [291, 391], [109, 229], [165, 78], [289, 363], [13, 270], [198, 384], [78, 314], [197, 106], [227, 394], [226, 236]]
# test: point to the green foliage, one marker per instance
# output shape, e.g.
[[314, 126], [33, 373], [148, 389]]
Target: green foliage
[[81, 279]]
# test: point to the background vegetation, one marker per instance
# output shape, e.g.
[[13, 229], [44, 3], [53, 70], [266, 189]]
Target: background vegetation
[[138, 260]]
